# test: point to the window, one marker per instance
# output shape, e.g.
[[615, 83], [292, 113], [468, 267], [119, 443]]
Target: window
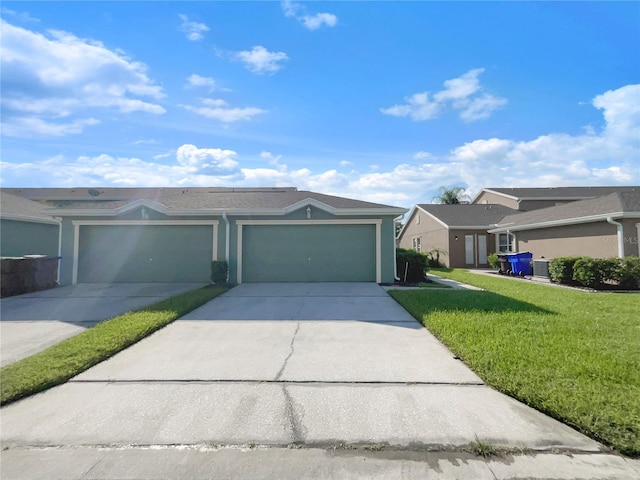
[[418, 219], [417, 244], [505, 242]]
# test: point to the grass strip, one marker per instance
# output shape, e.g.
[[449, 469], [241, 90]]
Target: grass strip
[[72, 356], [573, 355]]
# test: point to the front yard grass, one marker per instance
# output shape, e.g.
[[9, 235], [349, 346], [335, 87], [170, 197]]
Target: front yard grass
[[72, 356], [573, 355]]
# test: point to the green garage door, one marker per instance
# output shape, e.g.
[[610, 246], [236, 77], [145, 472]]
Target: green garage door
[[309, 253], [145, 253]]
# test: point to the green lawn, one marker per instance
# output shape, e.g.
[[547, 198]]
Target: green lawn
[[571, 354], [62, 361]]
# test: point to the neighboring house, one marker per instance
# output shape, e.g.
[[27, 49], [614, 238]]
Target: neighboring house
[[459, 232], [607, 226], [173, 234], [526, 199], [26, 228]]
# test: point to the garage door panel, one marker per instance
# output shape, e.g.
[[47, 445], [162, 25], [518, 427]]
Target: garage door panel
[[309, 253], [144, 253]]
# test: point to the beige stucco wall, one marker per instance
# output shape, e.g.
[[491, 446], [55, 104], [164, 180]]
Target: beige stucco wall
[[492, 198], [597, 240], [433, 235], [630, 233]]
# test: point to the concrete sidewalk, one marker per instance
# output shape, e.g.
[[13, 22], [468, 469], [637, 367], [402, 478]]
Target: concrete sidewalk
[[290, 381], [34, 321]]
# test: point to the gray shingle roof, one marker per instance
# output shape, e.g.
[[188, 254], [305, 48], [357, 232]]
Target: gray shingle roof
[[187, 198], [468, 215], [626, 202], [13, 206], [560, 193]]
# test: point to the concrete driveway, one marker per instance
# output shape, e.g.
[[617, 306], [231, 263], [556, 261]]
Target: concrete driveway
[[32, 322], [230, 388]]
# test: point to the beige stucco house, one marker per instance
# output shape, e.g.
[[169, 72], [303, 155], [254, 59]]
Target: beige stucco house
[[459, 232], [607, 226], [548, 222]]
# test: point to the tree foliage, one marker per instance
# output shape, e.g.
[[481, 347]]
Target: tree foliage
[[451, 196]]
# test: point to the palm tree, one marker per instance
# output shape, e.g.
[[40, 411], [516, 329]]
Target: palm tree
[[451, 196]]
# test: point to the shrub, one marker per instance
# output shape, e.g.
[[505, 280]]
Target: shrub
[[417, 265], [561, 269], [219, 269], [433, 258], [592, 272], [627, 272], [492, 258]]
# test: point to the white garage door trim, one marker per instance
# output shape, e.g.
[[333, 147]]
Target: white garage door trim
[[376, 222], [78, 223]]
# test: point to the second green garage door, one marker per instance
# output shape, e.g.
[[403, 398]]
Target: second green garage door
[[144, 253], [309, 253]]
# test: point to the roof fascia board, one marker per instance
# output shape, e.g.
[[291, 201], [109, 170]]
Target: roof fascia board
[[566, 221], [502, 194], [109, 212], [230, 211], [404, 226], [27, 218]]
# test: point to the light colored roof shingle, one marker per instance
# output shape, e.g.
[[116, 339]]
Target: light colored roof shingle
[[16, 207]]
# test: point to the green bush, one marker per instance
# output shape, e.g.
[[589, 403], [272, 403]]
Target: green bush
[[589, 272], [219, 269], [561, 269], [492, 258], [417, 265], [627, 272]]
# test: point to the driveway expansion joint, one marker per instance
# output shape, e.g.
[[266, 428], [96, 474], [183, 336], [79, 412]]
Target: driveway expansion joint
[[334, 446], [365, 383]]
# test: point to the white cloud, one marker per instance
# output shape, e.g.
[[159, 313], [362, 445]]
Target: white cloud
[[314, 22], [462, 94], [209, 160], [194, 80], [422, 155], [194, 30], [218, 109], [46, 78], [607, 157], [310, 22], [19, 16], [260, 60]]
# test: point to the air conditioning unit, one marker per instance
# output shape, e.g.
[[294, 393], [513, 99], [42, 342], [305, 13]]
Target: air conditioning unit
[[541, 268]]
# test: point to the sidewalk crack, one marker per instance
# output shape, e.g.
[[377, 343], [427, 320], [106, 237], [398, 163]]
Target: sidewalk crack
[[286, 360]]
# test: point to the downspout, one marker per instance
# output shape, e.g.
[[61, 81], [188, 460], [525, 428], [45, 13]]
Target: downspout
[[59, 220], [227, 238], [395, 266], [620, 236]]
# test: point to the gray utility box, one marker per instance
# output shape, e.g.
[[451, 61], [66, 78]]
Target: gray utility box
[[541, 268]]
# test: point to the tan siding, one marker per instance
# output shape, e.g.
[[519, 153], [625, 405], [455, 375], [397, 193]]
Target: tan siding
[[488, 197], [457, 249], [433, 235], [597, 240], [630, 229]]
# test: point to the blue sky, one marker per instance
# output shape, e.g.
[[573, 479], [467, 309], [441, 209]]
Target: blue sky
[[382, 101]]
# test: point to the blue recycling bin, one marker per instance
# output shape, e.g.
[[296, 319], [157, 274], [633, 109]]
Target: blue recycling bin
[[520, 263]]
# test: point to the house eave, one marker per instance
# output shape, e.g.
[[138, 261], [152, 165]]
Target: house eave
[[28, 218], [567, 221]]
